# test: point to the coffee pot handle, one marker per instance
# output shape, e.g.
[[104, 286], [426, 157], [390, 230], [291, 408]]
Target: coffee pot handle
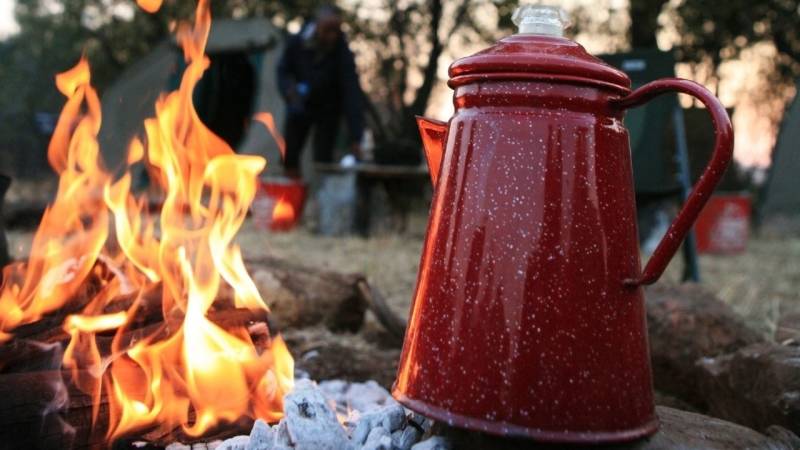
[[723, 152]]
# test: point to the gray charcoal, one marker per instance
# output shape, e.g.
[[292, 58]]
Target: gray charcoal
[[363, 427], [434, 443], [394, 417], [178, 446], [404, 439], [421, 421], [378, 439], [235, 443], [311, 424], [261, 437], [362, 397]]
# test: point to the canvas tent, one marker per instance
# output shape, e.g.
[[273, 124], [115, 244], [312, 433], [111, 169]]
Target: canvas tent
[[781, 196], [251, 47]]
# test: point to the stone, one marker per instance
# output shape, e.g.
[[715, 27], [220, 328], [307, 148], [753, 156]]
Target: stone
[[756, 386], [235, 443], [678, 430], [310, 422], [261, 437], [404, 439], [434, 443]]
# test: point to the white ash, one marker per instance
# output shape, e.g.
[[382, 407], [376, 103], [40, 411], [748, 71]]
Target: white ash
[[338, 415]]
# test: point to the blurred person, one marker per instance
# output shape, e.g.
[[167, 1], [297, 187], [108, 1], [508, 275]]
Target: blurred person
[[318, 81]]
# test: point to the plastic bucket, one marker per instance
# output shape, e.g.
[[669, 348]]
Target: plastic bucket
[[724, 225], [279, 203]]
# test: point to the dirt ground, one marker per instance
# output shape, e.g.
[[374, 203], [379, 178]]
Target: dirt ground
[[761, 284]]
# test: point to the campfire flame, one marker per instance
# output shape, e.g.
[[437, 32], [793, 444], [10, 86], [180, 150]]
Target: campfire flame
[[283, 211], [188, 371]]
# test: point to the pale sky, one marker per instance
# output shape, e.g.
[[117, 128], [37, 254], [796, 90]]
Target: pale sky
[[7, 24]]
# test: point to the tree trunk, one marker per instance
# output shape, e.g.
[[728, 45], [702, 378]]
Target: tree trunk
[[644, 23]]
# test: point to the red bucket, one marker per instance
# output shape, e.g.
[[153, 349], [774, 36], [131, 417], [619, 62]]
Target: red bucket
[[724, 225], [279, 203]]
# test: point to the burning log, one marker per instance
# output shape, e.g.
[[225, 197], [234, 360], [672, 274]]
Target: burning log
[[41, 409]]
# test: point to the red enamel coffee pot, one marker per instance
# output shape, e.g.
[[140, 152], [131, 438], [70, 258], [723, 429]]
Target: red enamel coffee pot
[[528, 318]]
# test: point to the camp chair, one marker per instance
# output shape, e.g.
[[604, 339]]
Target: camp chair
[[658, 144]]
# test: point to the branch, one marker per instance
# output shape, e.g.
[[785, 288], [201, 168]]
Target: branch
[[429, 75]]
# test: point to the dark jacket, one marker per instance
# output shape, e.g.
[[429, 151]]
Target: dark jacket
[[331, 80]]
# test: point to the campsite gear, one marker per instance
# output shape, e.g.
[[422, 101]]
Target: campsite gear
[[724, 225], [528, 318], [279, 203], [5, 258], [335, 199], [659, 151]]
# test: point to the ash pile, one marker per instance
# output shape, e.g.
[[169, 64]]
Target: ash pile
[[336, 415]]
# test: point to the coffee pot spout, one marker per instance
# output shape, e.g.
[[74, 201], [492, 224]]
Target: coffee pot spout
[[434, 134]]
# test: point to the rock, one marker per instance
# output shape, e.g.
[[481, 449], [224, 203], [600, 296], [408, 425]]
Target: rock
[[679, 430], [310, 422], [261, 437], [687, 323], [235, 443], [756, 386], [434, 443], [404, 439]]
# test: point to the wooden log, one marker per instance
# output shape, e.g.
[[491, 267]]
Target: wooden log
[[300, 296], [324, 355], [678, 430], [757, 386], [686, 323], [41, 409]]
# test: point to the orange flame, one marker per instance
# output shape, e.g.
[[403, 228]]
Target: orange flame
[[283, 212], [150, 6], [269, 121], [189, 372]]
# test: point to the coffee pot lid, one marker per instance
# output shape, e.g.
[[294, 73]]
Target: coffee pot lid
[[538, 51]]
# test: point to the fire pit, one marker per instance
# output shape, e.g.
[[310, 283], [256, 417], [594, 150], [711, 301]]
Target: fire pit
[[144, 324]]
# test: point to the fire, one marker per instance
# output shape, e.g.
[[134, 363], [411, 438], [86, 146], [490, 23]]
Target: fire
[[189, 371], [283, 212], [268, 121]]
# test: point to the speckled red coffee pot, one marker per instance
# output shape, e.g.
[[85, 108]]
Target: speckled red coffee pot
[[528, 317]]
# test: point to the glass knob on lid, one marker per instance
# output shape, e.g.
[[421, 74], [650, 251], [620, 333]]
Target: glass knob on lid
[[541, 20]]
